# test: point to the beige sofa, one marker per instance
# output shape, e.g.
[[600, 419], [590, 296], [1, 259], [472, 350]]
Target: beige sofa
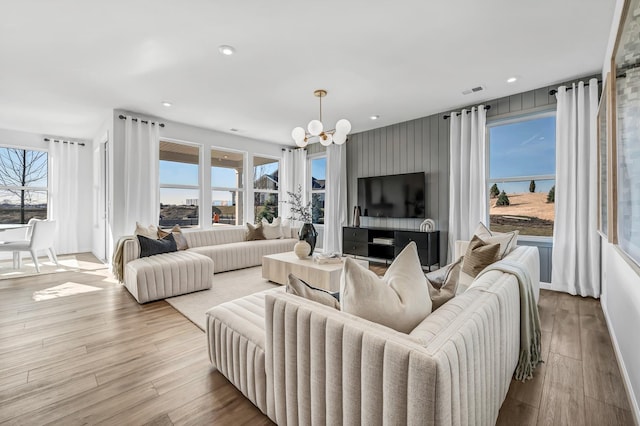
[[213, 250], [304, 363]]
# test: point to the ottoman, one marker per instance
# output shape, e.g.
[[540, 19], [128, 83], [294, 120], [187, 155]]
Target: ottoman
[[169, 274]]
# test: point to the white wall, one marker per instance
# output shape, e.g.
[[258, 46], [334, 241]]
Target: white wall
[[181, 132], [27, 140], [621, 287]]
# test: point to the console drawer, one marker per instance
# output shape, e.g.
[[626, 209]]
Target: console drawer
[[355, 235], [357, 248]]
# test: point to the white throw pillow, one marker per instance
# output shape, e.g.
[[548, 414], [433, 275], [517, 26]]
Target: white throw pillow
[[399, 300], [150, 232], [285, 226], [271, 230], [507, 240]]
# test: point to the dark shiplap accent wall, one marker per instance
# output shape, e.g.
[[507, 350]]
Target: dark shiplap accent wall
[[423, 145]]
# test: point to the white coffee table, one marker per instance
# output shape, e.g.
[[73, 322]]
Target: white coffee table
[[277, 267]]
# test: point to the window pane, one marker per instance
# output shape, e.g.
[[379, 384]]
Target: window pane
[[179, 164], [20, 206], [532, 213], [317, 207], [19, 167], [265, 206], [227, 205], [318, 172], [526, 148], [265, 173], [178, 207], [227, 169]]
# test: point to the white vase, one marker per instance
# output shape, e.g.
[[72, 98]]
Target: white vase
[[302, 249]]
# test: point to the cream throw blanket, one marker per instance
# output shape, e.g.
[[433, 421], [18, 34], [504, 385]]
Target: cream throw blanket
[[117, 264], [530, 351]]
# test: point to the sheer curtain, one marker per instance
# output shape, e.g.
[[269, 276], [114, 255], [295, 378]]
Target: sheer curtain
[[141, 168], [64, 201], [467, 186], [293, 174], [335, 214], [576, 244]]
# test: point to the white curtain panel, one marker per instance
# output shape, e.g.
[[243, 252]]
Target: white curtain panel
[[64, 201], [141, 168], [335, 202], [467, 180], [293, 174], [576, 244]]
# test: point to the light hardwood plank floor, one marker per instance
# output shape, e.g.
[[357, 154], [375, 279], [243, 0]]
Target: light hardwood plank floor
[[101, 358]]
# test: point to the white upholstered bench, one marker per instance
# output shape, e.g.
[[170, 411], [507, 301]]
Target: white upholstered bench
[[166, 275]]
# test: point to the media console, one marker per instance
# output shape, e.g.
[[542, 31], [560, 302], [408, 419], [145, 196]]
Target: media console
[[390, 242]]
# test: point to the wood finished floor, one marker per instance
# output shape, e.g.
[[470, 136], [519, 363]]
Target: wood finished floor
[[101, 358]]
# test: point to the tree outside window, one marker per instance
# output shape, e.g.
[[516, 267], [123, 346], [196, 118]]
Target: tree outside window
[[23, 185], [265, 188]]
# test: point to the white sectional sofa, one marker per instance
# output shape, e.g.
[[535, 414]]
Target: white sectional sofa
[[303, 363], [213, 250]]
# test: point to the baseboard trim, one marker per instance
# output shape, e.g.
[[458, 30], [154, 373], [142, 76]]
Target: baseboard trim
[[633, 402]]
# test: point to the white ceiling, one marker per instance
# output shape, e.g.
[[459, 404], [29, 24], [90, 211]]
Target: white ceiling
[[65, 64]]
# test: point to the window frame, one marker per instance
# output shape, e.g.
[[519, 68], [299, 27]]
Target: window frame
[[198, 188], [255, 190], [242, 191], [501, 121], [309, 189], [32, 188]]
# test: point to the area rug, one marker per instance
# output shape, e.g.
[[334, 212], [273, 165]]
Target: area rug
[[226, 286], [67, 263]]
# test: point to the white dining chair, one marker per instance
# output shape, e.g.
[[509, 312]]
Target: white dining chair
[[40, 237]]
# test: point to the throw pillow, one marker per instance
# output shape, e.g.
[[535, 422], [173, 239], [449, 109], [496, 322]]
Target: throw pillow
[[443, 283], [285, 225], [300, 288], [151, 246], [479, 255], [399, 300], [150, 231], [507, 240], [181, 241], [254, 232], [272, 231]]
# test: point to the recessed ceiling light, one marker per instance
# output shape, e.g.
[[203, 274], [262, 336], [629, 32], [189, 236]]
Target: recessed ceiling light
[[512, 79], [227, 50], [166, 104], [374, 117]]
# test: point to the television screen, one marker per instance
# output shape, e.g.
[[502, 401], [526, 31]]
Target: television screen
[[399, 196]]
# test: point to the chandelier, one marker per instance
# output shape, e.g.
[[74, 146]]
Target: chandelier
[[316, 130]]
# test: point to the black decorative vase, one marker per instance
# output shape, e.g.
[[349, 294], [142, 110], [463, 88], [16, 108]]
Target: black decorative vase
[[309, 234]]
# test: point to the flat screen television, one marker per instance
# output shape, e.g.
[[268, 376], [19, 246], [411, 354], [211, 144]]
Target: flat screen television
[[398, 196]]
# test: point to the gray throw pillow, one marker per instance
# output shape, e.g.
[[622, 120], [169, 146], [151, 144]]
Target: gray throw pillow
[[254, 232], [479, 255], [300, 288], [181, 241], [150, 247], [443, 283]]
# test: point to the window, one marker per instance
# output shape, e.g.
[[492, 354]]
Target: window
[[227, 195], [179, 184], [318, 167], [522, 167], [265, 188], [23, 185]]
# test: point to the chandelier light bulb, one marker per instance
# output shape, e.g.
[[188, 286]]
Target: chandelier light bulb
[[315, 127], [298, 134], [339, 138], [326, 139], [343, 126], [302, 143]]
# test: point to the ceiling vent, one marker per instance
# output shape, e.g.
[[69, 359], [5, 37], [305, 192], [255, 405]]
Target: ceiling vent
[[473, 90]]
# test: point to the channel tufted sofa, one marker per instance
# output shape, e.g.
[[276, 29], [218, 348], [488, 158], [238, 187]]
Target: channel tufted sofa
[[302, 363], [213, 250]]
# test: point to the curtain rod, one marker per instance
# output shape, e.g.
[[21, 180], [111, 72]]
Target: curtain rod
[[122, 117], [293, 149], [621, 75], [63, 141], [468, 111]]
